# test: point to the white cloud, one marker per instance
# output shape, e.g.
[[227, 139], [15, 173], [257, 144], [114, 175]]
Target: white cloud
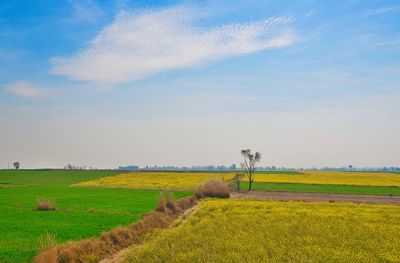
[[25, 89], [138, 45]]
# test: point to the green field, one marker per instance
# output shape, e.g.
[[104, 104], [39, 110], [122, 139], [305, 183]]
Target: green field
[[87, 211], [81, 212], [323, 188]]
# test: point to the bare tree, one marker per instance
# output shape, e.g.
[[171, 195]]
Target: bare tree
[[16, 165], [249, 164], [237, 178]]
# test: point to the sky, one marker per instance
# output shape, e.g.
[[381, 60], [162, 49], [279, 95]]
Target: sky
[[108, 83]]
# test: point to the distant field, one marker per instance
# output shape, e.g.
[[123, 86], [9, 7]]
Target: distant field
[[157, 180], [278, 172], [332, 178], [81, 212], [260, 231], [323, 188], [294, 181]]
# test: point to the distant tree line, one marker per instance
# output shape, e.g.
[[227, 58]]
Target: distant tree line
[[71, 167], [233, 167]]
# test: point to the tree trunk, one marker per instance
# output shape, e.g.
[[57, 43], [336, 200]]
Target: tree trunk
[[250, 183]]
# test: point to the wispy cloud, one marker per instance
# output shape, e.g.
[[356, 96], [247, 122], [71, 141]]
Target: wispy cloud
[[25, 89], [85, 11], [383, 10], [139, 45], [382, 43]]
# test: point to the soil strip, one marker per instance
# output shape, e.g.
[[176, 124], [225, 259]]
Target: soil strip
[[317, 197]]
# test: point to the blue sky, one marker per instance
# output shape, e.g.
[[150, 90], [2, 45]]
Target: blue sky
[[106, 83]]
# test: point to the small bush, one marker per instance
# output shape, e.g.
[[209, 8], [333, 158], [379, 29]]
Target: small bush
[[213, 188], [161, 204], [166, 201], [48, 256], [187, 202], [170, 202], [237, 178], [84, 251], [47, 247], [45, 205]]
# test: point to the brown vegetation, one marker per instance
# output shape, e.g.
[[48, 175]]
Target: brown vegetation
[[161, 204], [47, 246], [45, 205], [213, 188], [170, 202], [94, 250]]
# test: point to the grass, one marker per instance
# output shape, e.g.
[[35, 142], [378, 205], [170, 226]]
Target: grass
[[47, 248], [81, 212], [332, 178], [157, 180], [259, 231], [110, 242], [323, 188]]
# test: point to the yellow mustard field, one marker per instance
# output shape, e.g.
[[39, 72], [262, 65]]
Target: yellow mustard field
[[156, 180], [191, 180], [332, 177], [261, 231]]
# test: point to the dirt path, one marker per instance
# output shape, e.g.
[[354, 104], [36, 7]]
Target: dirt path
[[318, 197], [121, 255]]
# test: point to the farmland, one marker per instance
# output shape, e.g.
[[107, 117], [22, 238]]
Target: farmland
[[292, 181], [323, 188], [90, 202], [157, 180], [80, 212], [261, 231], [332, 178]]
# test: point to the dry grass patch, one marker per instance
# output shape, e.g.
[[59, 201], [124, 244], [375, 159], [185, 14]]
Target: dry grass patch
[[45, 205], [47, 246], [213, 188]]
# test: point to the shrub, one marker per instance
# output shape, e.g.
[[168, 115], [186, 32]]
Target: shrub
[[213, 188], [166, 201], [87, 250], [161, 204], [45, 205], [236, 180], [47, 247], [187, 202], [170, 202]]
